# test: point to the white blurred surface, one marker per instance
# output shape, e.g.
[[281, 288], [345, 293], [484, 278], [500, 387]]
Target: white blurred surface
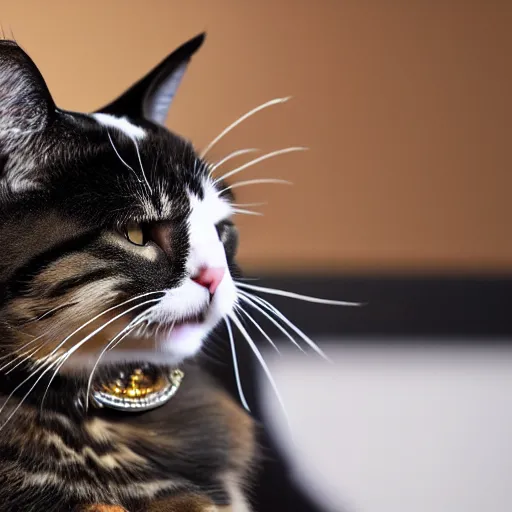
[[389, 429]]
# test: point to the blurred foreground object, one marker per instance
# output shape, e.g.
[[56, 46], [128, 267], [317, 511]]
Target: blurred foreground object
[[397, 428]]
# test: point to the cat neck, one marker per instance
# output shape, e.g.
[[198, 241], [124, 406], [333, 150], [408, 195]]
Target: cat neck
[[74, 393]]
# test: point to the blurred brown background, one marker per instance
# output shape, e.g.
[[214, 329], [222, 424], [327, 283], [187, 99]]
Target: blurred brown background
[[405, 105]]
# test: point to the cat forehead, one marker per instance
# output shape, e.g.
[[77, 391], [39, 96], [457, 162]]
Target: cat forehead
[[206, 206], [124, 125]]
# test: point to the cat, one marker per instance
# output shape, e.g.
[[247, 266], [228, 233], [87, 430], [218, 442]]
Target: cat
[[112, 229]]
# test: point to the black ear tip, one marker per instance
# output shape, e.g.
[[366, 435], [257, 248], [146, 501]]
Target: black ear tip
[[186, 50], [196, 42]]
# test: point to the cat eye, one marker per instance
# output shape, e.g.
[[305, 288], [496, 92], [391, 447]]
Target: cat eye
[[228, 235], [223, 229], [135, 234]]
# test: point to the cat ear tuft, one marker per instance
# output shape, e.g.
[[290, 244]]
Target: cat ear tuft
[[151, 97], [26, 105]]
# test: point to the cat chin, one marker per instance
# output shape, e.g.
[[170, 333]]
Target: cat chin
[[170, 347], [181, 342], [167, 342]]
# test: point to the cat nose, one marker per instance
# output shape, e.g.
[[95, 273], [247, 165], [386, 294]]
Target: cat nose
[[210, 278]]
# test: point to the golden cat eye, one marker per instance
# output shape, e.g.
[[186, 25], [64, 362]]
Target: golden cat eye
[[134, 233]]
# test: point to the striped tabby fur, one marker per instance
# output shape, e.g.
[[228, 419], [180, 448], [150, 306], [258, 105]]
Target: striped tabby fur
[[73, 186]]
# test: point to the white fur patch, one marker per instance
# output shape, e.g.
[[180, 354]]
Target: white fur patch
[[206, 250], [120, 123], [176, 340]]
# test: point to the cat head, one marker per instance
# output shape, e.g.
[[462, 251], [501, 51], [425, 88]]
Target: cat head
[[110, 225]]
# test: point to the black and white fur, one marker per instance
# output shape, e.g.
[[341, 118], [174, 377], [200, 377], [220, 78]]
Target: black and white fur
[[70, 183], [91, 174]]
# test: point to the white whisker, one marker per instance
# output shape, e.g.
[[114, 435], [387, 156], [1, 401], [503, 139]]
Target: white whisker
[[76, 346], [253, 182], [120, 157], [291, 325], [258, 160], [242, 211], [140, 163], [157, 330], [25, 345], [143, 318], [262, 362], [235, 366], [244, 205], [264, 334], [117, 338], [239, 152], [30, 353], [298, 296], [73, 349], [240, 120], [28, 357], [36, 319], [63, 342], [250, 299], [29, 391]]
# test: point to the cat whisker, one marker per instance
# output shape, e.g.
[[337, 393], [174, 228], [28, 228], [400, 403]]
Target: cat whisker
[[52, 354], [257, 325], [171, 328], [250, 299], [244, 205], [85, 324], [239, 152], [23, 359], [51, 365], [262, 362], [253, 182], [143, 317], [115, 340], [291, 325], [235, 366], [17, 329], [78, 345], [25, 345], [44, 315], [139, 331], [140, 163], [18, 356], [240, 120], [120, 157], [298, 296], [246, 212], [157, 330], [258, 160]]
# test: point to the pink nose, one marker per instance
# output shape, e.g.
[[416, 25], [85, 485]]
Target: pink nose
[[210, 278]]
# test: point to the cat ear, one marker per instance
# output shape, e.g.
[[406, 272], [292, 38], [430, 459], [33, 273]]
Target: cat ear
[[26, 105], [151, 97]]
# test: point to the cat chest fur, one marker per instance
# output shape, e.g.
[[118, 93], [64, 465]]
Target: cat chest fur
[[198, 444]]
